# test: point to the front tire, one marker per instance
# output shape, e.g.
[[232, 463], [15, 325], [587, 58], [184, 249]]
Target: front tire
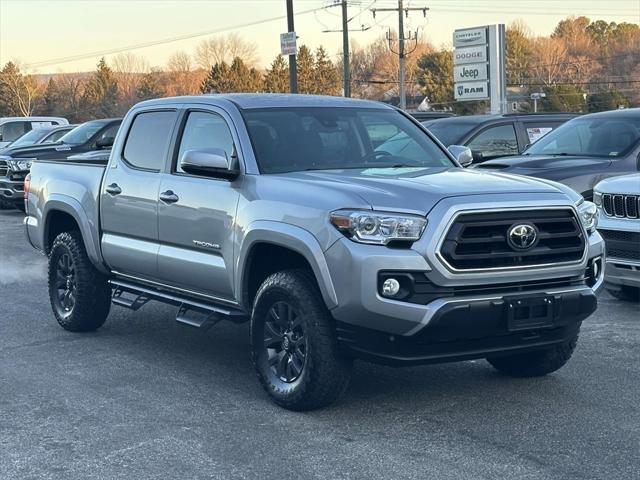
[[535, 364], [80, 296], [293, 344]]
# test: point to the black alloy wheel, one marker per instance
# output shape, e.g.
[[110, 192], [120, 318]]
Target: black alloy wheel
[[65, 285], [285, 342]]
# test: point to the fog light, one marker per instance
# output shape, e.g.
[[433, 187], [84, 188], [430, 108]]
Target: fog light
[[390, 287]]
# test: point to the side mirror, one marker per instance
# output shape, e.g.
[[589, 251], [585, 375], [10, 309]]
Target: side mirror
[[462, 154], [105, 142], [478, 157], [210, 162]]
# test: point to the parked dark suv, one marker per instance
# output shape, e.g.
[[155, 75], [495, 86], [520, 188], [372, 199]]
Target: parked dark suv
[[492, 136], [581, 152]]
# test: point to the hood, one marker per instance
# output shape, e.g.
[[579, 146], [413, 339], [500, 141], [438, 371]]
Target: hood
[[37, 151], [625, 184], [415, 189], [533, 162], [93, 155]]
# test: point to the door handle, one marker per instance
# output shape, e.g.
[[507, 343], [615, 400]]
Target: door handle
[[169, 197], [113, 189]]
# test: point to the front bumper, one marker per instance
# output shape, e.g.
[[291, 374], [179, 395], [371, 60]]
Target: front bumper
[[622, 273], [623, 263], [11, 190], [355, 270]]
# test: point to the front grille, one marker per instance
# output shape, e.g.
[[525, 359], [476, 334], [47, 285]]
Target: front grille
[[478, 241], [622, 206], [622, 245], [4, 169]]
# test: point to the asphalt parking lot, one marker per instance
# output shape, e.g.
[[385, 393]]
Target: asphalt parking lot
[[146, 398]]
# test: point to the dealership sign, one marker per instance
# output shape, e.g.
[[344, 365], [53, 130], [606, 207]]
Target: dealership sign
[[470, 36], [472, 91], [470, 55], [470, 73], [478, 65]]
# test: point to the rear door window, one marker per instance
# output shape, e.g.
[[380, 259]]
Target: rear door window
[[148, 139], [498, 141], [536, 130], [13, 130], [54, 136]]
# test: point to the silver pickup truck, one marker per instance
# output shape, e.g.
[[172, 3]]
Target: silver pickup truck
[[339, 228]]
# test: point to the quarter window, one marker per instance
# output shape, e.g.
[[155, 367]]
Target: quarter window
[[499, 141], [204, 130], [148, 138]]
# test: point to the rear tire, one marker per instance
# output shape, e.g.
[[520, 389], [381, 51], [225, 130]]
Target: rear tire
[[626, 293], [535, 364], [293, 343], [80, 296]]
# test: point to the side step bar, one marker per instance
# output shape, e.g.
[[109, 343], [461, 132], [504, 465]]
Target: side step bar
[[195, 313]]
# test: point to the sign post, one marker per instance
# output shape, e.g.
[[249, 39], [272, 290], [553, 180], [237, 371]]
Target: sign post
[[478, 66]]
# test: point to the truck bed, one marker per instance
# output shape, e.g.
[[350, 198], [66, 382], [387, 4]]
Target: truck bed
[[74, 188]]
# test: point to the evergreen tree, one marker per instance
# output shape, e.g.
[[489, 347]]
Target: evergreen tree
[[327, 77], [606, 100], [51, 98], [306, 70], [100, 97], [242, 78], [150, 86], [217, 80], [276, 79], [563, 98]]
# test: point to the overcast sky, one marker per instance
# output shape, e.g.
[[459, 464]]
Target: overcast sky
[[43, 33]]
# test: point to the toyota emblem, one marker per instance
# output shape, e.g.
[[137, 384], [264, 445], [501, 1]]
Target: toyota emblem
[[522, 236]]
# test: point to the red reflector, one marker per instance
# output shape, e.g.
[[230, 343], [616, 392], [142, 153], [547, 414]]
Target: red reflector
[[27, 185]]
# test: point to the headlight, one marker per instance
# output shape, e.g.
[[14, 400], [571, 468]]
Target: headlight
[[378, 228], [588, 215], [19, 165], [597, 198]]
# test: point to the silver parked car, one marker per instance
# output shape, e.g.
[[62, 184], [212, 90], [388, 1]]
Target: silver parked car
[[618, 201]]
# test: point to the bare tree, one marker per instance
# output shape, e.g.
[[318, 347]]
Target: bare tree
[[549, 63], [182, 77], [128, 70], [20, 92], [224, 49]]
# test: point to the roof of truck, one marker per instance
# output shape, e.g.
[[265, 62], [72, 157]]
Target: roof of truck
[[267, 100]]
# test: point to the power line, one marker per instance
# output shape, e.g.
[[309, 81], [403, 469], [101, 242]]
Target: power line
[[153, 43]]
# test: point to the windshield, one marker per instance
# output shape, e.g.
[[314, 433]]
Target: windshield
[[449, 132], [30, 138], [596, 137], [82, 133], [323, 138]]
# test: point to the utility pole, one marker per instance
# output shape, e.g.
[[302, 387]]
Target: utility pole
[[402, 53], [345, 43], [403, 95], [293, 68], [345, 50]]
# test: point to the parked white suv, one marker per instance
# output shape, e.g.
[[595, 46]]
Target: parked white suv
[[12, 128], [618, 201]]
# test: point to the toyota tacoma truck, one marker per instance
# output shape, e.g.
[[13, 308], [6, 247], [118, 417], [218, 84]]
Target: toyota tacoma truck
[[340, 229]]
